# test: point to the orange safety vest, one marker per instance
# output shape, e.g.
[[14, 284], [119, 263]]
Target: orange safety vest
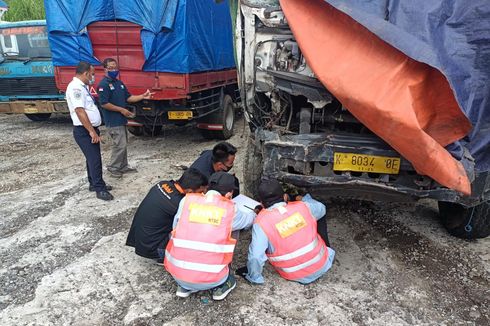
[[299, 250], [201, 246]]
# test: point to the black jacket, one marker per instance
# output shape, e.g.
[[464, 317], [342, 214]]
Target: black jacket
[[153, 220]]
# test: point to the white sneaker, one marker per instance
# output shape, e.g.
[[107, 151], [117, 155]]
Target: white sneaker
[[183, 293]]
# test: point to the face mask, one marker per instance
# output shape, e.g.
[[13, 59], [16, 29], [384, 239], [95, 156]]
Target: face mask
[[92, 80], [113, 74]]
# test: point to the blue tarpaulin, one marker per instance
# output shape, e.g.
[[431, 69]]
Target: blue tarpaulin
[[450, 35], [180, 36]]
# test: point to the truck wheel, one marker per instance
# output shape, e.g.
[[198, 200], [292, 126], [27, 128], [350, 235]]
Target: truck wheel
[[252, 168], [463, 222], [224, 116], [137, 131], [152, 131], [145, 130], [38, 116]]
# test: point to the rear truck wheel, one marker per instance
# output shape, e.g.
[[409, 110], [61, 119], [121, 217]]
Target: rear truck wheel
[[225, 117], [149, 131], [152, 131], [38, 116], [136, 130], [252, 167], [464, 222]]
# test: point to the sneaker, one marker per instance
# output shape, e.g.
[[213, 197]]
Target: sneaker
[[104, 195], [220, 292], [115, 174], [107, 187], [182, 293], [128, 169]]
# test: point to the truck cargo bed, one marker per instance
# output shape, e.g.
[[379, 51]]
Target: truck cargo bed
[[122, 41]]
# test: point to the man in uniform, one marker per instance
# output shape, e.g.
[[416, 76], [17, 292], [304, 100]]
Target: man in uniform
[[152, 223], [285, 233], [86, 120], [220, 158], [113, 97], [201, 247]]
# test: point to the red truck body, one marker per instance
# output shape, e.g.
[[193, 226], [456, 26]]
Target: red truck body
[[207, 98], [122, 41]]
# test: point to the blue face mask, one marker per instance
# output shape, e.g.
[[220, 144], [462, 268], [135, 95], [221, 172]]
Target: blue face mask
[[113, 74]]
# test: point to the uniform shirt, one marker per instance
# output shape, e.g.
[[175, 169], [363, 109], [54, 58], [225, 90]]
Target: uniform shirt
[[260, 244], [243, 219], [153, 220], [115, 92], [204, 163], [78, 96]]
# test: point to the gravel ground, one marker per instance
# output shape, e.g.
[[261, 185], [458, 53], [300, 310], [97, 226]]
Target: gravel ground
[[63, 259]]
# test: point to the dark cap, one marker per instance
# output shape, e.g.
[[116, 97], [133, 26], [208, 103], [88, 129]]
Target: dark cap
[[270, 192], [222, 182]]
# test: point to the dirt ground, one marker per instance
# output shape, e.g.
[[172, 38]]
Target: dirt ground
[[64, 262]]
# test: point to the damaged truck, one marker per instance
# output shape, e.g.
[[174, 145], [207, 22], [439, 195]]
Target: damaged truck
[[374, 100]]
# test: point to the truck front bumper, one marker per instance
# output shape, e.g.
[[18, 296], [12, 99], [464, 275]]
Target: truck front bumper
[[33, 107], [306, 161]]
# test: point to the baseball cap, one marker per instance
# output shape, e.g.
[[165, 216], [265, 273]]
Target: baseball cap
[[270, 192], [222, 182]]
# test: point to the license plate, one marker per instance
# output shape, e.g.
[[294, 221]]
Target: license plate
[[28, 109], [179, 115], [366, 163]]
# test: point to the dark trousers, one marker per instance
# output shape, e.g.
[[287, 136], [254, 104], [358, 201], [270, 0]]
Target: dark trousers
[[92, 157], [321, 226]]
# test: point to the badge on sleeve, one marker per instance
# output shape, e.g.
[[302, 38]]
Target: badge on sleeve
[[101, 89], [77, 94]]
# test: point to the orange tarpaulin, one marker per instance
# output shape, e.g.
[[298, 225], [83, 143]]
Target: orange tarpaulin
[[405, 102]]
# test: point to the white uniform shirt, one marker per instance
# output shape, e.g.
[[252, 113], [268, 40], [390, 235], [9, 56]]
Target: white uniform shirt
[[78, 96]]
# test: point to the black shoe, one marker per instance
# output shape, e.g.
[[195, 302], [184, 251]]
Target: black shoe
[[104, 195], [107, 187]]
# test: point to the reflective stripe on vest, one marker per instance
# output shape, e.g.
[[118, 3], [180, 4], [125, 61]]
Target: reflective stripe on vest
[[310, 262], [203, 246], [194, 266], [297, 253]]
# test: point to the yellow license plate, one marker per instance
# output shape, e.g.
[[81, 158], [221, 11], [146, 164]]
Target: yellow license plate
[[30, 110], [179, 115], [366, 163]]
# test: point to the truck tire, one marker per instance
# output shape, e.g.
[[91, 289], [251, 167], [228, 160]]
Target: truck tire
[[145, 130], [224, 116], [137, 131], [252, 167], [456, 219], [38, 116], [152, 131]]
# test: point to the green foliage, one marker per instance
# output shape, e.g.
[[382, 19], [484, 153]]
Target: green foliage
[[25, 10]]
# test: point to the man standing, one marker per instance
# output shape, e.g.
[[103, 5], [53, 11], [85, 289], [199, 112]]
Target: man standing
[[201, 246], [152, 223], [285, 233], [113, 97], [220, 158], [86, 120]]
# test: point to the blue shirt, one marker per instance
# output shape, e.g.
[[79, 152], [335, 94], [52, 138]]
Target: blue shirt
[[243, 219], [115, 92], [260, 244]]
